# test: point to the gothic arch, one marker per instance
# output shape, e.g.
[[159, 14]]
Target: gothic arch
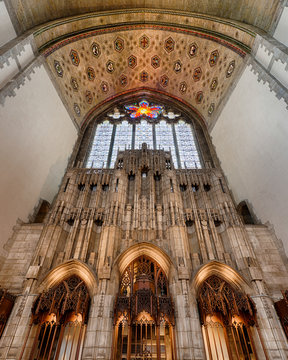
[[147, 249], [224, 272], [66, 270]]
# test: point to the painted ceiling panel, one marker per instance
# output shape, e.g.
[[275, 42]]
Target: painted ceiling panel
[[189, 66]]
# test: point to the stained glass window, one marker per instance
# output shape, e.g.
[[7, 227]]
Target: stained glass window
[[144, 134], [177, 138], [186, 144], [99, 152], [164, 139], [144, 109], [123, 138]]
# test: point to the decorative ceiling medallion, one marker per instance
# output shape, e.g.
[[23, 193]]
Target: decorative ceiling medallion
[[77, 109], [144, 110], [183, 87], [123, 80], [119, 44], [104, 87], [177, 66], [110, 66], [230, 69], [88, 96], [95, 49], [58, 68], [214, 56], [74, 84], [214, 84], [199, 97], [197, 74], [164, 80], [144, 42], [155, 61], [132, 61], [74, 57], [144, 76], [90, 73], [211, 109], [169, 45], [193, 48]]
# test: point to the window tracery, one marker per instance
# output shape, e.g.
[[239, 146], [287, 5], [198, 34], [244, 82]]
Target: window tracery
[[131, 125]]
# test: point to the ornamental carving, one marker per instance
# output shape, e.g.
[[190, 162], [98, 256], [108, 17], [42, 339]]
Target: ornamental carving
[[71, 295], [144, 288], [169, 45], [74, 57], [119, 44], [217, 296]]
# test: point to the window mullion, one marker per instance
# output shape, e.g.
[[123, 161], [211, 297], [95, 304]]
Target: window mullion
[[176, 146], [154, 137], [133, 136], [111, 146]]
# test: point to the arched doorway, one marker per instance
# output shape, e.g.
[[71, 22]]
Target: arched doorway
[[227, 316], [60, 316], [144, 314]]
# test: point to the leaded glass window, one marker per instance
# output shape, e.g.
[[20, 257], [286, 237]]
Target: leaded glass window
[[144, 122], [100, 147], [144, 134], [123, 139], [164, 139], [186, 144]]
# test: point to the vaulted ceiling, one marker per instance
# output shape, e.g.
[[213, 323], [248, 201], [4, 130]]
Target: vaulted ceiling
[[95, 58], [259, 13], [192, 51]]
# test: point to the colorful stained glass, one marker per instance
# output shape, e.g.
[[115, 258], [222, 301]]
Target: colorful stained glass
[[163, 137], [144, 110]]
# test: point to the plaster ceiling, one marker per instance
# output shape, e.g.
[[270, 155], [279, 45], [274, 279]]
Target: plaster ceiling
[[193, 60], [30, 13]]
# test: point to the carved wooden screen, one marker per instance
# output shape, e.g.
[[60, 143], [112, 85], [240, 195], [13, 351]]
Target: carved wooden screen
[[61, 316], [144, 314], [226, 316]]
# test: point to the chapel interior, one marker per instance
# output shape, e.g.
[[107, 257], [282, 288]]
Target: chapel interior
[[143, 180]]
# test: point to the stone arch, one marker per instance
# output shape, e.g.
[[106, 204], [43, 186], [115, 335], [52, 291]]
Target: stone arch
[[66, 270], [224, 272], [147, 249]]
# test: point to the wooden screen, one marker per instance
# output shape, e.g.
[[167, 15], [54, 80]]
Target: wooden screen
[[61, 316], [226, 316], [144, 314]]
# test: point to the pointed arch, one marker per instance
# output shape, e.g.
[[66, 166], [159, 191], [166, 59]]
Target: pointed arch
[[141, 249], [66, 270], [223, 271]]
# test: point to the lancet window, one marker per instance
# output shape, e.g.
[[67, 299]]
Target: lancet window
[[144, 314], [133, 124], [60, 317], [227, 316]]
